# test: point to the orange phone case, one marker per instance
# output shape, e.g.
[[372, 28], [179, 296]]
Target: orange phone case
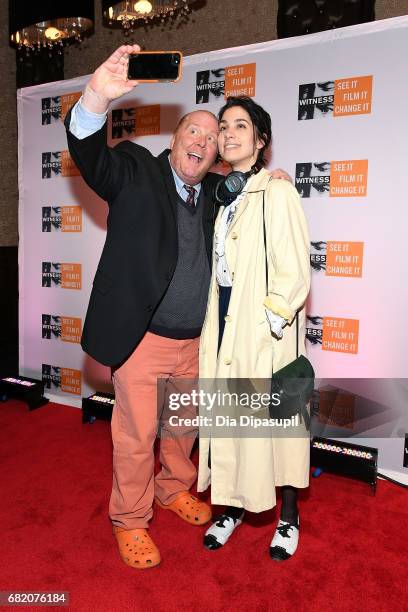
[[161, 80]]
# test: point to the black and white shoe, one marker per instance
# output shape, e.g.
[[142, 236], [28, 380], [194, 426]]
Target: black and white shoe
[[285, 541], [221, 530]]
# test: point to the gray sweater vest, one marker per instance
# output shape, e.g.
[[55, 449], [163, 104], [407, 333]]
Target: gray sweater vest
[[181, 312]]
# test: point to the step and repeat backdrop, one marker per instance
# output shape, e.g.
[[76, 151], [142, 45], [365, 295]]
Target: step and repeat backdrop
[[338, 107]]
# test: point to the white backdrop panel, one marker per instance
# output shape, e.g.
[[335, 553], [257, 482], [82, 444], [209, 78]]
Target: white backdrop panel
[[377, 300]]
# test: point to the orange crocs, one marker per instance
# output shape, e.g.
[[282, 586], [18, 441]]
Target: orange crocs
[[137, 548], [189, 508]]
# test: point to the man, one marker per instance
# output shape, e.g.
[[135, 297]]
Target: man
[[149, 296]]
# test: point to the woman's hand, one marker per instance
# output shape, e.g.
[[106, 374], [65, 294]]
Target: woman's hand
[[109, 81]]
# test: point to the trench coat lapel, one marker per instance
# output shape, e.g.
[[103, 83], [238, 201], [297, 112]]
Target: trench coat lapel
[[257, 183]]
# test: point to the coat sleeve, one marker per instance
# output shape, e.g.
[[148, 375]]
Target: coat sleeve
[[106, 170], [288, 250]]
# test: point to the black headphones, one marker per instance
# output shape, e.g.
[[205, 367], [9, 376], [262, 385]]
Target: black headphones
[[230, 186]]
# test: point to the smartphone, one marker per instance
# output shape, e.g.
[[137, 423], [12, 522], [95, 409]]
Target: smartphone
[[155, 66]]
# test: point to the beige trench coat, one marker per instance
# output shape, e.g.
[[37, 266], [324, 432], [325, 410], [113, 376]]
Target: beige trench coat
[[245, 471]]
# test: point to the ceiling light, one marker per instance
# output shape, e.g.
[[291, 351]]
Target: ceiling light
[[148, 12], [144, 7], [34, 25]]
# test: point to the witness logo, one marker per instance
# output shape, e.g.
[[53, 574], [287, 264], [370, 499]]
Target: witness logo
[[55, 163], [316, 100], [50, 110], [51, 376], [55, 108], [51, 274], [51, 164], [405, 462], [210, 85], [337, 258], [351, 96], [334, 179], [123, 122], [139, 121], [237, 80], [62, 218], [67, 329], [51, 327], [333, 333], [312, 179], [314, 329], [64, 275], [65, 379], [318, 256]]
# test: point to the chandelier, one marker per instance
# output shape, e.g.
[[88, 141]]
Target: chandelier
[[130, 14], [37, 25]]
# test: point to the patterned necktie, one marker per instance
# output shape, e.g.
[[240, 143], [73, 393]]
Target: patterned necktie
[[190, 201]]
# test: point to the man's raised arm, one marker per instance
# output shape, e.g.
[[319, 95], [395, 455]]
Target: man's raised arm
[[109, 81], [104, 169]]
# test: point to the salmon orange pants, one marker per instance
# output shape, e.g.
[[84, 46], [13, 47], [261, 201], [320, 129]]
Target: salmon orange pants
[[135, 418]]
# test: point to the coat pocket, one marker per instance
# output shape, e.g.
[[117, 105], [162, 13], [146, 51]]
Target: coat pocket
[[102, 282]]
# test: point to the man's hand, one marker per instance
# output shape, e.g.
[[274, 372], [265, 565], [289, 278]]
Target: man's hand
[[109, 81], [281, 174]]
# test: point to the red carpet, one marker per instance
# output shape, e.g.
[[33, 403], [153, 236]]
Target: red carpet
[[55, 476]]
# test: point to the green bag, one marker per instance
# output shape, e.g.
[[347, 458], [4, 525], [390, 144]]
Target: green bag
[[295, 385]]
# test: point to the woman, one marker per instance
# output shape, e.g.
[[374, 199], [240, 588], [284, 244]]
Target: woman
[[247, 333]]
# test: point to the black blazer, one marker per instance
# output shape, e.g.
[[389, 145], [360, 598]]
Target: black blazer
[[140, 252]]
